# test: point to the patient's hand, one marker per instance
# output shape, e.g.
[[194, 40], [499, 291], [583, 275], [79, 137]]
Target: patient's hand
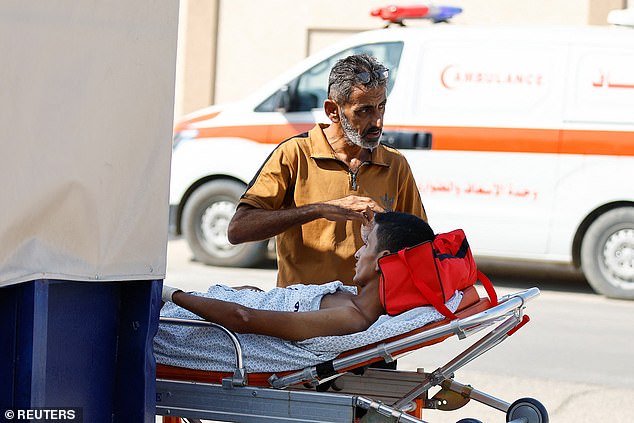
[[168, 292]]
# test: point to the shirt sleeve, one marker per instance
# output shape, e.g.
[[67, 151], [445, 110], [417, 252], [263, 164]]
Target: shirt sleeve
[[409, 200], [270, 186]]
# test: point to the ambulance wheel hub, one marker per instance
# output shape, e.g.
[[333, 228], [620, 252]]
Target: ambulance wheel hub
[[214, 224], [618, 254]]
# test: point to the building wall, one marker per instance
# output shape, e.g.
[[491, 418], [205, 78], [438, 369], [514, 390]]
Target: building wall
[[233, 47], [598, 10], [196, 60]]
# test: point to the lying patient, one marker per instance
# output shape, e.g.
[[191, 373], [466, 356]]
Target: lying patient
[[339, 312]]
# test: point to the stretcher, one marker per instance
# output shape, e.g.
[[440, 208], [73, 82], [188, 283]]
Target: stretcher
[[345, 389]]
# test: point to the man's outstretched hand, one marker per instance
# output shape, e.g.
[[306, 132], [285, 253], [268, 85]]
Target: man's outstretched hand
[[367, 225], [352, 207]]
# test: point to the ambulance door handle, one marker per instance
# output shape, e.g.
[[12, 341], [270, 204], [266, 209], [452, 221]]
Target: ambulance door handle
[[407, 140]]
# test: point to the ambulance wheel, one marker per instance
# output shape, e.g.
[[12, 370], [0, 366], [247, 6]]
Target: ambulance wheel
[[469, 420], [206, 217], [607, 253], [532, 410]]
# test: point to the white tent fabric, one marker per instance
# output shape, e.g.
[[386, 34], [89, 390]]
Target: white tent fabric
[[86, 113]]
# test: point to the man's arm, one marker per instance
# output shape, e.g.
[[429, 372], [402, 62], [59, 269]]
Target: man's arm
[[291, 326], [254, 224]]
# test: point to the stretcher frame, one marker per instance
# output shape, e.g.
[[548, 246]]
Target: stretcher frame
[[387, 395]]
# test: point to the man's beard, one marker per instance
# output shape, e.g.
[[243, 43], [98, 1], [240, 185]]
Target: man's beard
[[354, 137]]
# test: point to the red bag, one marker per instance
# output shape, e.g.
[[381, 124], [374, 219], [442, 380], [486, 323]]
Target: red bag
[[429, 274]]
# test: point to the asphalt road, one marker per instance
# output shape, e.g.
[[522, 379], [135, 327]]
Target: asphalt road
[[575, 355]]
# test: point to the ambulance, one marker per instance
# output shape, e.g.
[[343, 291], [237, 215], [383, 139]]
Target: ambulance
[[521, 136]]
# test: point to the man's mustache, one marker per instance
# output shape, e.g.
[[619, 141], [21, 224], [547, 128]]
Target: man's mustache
[[370, 129]]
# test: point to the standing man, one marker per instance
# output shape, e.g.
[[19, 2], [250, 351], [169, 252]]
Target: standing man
[[313, 189]]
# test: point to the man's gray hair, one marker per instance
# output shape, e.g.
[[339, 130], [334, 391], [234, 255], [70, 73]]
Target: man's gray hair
[[344, 76]]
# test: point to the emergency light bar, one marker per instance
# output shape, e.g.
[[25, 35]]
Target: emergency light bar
[[396, 14]]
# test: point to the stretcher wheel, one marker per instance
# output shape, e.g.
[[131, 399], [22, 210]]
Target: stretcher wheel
[[529, 408]]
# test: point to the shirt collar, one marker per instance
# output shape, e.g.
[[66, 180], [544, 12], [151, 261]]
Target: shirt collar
[[320, 148]]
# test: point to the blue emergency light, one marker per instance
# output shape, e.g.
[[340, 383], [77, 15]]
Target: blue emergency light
[[444, 13]]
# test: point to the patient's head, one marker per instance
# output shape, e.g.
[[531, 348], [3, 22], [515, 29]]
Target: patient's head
[[390, 232], [395, 231]]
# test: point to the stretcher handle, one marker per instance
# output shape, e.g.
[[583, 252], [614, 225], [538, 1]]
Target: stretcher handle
[[240, 375]]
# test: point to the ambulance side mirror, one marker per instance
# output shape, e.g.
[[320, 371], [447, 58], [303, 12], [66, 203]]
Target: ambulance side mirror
[[283, 99]]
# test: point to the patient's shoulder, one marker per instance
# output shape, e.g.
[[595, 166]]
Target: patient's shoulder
[[339, 298]]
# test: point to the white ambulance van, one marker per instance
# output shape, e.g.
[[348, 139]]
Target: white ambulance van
[[523, 137]]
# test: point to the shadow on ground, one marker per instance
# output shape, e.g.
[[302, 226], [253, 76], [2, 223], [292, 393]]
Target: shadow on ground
[[554, 277]]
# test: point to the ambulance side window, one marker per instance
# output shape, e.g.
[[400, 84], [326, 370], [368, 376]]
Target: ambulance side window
[[308, 91]]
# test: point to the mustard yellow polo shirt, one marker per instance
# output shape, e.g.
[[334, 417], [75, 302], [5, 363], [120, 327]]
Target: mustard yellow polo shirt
[[304, 170]]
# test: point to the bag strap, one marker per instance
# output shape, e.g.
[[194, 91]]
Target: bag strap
[[488, 286], [426, 291]]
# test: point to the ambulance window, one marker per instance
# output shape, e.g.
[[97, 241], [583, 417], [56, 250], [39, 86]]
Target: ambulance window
[[308, 91]]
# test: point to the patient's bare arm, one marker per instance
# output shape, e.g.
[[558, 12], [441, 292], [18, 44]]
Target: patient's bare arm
[[290, 326]]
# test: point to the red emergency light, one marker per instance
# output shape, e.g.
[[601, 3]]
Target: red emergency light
[[396, 14]]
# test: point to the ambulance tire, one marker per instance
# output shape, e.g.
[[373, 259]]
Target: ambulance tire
[[607, 253], [205, 220]]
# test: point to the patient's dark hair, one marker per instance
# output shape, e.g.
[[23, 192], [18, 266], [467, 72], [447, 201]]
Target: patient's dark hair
[[396, 231]]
